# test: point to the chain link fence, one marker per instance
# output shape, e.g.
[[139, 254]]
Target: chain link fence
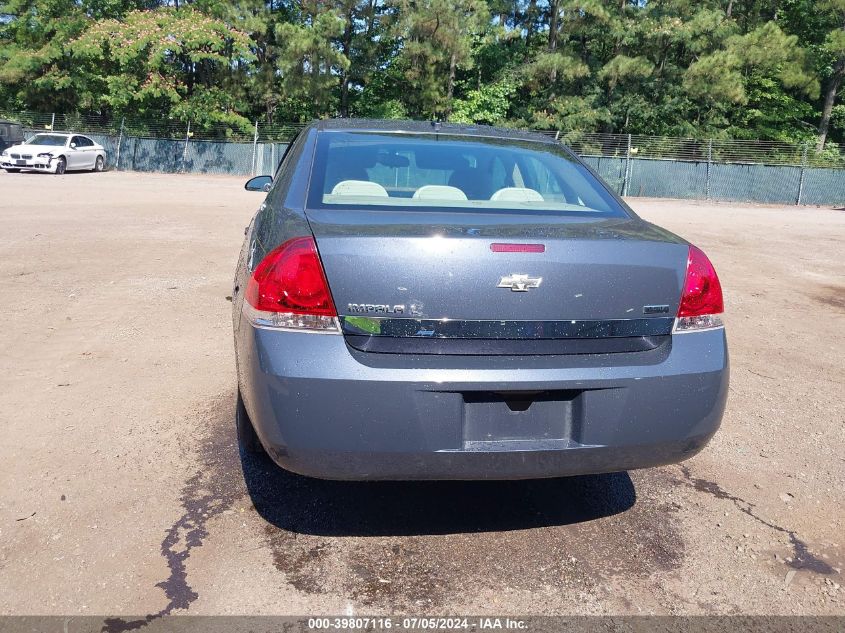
[[714, 169], [172, 146], [634, 165]]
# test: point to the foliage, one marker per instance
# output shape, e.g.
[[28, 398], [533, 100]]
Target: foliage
[[163, 60], [308, 59], [717, 68], [487, 104], [436, 38]]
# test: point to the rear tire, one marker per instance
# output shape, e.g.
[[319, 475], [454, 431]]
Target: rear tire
[[12, 171], [248, 440], [61, 166], [99, 164]]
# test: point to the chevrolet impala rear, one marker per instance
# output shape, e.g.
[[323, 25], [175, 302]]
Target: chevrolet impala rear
[[426, 301]]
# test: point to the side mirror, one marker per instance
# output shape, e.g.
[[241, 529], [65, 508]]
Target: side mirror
[[73, 145], [259, 183]]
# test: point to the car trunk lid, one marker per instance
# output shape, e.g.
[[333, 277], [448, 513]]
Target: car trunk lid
[[425, 267]]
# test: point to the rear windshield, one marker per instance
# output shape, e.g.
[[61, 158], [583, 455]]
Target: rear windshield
[[47, 139], [434, 171]]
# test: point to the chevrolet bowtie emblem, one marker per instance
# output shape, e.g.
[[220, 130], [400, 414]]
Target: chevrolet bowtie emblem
[[519, 283]]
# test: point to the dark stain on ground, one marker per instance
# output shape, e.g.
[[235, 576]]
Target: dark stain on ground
[[303, 563], [205, 495], [833, 296], [418, 544], [802, 558], [431, 571], [423, 544]]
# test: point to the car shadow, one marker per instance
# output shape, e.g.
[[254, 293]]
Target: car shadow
[[342, 508]]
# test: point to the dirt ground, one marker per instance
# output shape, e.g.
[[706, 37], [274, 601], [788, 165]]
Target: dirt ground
[[123, 492]]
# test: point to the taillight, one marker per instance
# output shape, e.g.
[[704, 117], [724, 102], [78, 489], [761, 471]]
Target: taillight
[[701, 301], [288, 289]]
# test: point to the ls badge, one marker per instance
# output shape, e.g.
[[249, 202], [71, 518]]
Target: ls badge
[[519, 283]]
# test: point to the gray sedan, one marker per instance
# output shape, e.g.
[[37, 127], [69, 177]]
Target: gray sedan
[[432, 301]]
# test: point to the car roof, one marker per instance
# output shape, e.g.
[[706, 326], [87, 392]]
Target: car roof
[[7, 122], [422, 127]]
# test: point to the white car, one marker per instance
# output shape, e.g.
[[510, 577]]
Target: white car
[[54, 153]]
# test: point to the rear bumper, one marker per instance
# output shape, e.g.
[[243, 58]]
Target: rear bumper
[[324, 410]]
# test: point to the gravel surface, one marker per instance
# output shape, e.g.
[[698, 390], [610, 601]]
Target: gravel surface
[[123, 492]]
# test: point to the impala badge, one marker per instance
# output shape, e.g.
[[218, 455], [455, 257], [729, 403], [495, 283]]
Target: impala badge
[[375, 308], [519, 283]]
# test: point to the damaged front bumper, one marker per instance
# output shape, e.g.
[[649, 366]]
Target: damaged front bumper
[[42, 162]]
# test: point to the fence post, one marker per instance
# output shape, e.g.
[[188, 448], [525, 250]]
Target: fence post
[[801, 179], [185, 151], [119, 142], [627, 168], [254, 146], [709, 163], [53, 122]]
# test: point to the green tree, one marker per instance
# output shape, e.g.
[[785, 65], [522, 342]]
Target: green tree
[[487, 104], [435, 38], [365, 43], [720, 78], [34, 67], [832, 47], [309, 61], [165, 60], [255, 83], [729, 68]]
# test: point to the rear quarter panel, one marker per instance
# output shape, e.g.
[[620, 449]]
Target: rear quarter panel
[[278, 218]]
